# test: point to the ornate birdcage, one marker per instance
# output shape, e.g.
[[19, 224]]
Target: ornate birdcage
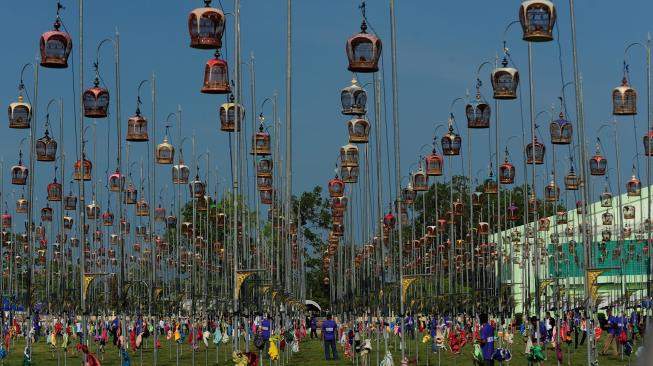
[[537, 18], [171, 221], [544, 224], [359, 131], [506, 171], [353, 99], [634, 186], [206, 26], [561, 217], [629, 212], [125, 227], [458, 208], [46, 147], [264, 183], [83, 169], [142, 208], [535, 152], [264, 167], [338, 230], [137, 128], [408, 194], [572, 181], [512, 212], [159, 214], [54, 191], [261, 143], [231, 116], [6, 220], [20, 112], [92, 210], [216, 76], [561, 131], [363, 51], [266, 196], [551, 192], [107, 218], [47, 213], [598, 163], [180, 172], [349, 174], [165, 152], [606, 198], [197, 188], [55, 45], [607, 218], [624, 98], [478, 111], [116, 181], [434, 163], [349, 156], [451, 142], [483, 228], [627, 231], [336, 187], [606, 234], [490, 185], [420, 180], [555, 238], [505, 81], [19, 172], [96, 100], [22, 205], [648, 143], [477, 199], [532, 204], [130, 194], [68, 223], [70, 202]]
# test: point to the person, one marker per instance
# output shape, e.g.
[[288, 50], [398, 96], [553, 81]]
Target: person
[[611, 338], [633, 324], [410, 326], [487, 340], [433, 327], [329, 329], [313, 327]]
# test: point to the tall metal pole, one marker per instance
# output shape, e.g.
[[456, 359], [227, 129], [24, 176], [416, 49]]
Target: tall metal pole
[[288, 128], [395, 120], [238, 121], [581, 132], [82, 199], [379, 186], [649, 111], [536, 255], [30, 205], [152, 189]]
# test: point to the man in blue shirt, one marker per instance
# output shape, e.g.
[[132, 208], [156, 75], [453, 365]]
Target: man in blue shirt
[[433, 327], [410, 326], [487, 340], [329, 329], [313, 327], [612, 328]]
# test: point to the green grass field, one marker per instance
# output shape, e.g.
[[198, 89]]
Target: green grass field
[[311, 353]]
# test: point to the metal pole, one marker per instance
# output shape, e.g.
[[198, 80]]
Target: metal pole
[[30, 237], [581, 124], [152, 189], [395, 118], [288, 128], [82, 216]]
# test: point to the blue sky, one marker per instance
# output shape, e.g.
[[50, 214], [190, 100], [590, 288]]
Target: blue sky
[[440, 45]]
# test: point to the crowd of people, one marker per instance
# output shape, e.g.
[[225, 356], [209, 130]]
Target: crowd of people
[[488, 338]]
